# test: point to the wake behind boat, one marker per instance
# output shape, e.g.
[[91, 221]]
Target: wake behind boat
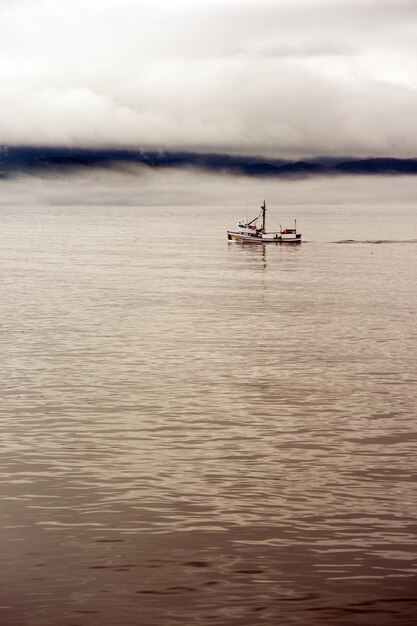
[[250, 232]]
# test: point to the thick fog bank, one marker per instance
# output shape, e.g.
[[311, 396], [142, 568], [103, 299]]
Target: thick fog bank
[[141, 186]]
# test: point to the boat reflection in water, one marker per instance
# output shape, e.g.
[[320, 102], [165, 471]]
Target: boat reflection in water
[[262, 257], [249, 232]]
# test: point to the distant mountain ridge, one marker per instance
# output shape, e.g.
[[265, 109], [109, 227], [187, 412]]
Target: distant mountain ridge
[[33, 160]]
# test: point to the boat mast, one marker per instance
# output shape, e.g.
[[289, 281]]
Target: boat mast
[[263, 207]]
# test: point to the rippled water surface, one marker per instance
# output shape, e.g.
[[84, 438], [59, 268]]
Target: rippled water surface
[[195, 432]]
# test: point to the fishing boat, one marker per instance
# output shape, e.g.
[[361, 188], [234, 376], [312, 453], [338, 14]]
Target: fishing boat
[[250, 232]]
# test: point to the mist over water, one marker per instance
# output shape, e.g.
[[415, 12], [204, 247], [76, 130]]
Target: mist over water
[[136, 185], [200, 432]]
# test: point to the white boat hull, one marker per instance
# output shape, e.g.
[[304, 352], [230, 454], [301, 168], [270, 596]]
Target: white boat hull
[[263, 238]]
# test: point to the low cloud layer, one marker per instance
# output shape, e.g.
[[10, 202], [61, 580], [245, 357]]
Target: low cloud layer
[[135, 185], [293, 79]]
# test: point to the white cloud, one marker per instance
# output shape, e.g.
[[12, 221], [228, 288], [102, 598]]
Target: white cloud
[[294, 78]]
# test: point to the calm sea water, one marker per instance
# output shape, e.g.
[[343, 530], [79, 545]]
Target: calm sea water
[[196, 432]]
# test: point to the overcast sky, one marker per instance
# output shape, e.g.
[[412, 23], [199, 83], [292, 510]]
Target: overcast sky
[[284, 78]]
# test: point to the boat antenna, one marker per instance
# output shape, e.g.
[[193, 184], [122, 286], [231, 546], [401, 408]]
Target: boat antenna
[[263, 207]]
